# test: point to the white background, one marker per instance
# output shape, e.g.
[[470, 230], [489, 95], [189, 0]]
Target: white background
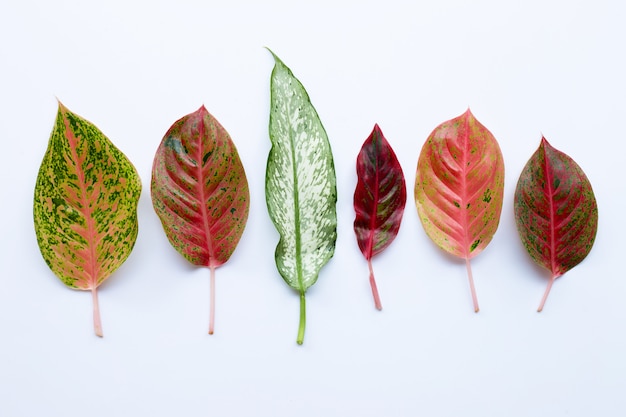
[[524, 68]]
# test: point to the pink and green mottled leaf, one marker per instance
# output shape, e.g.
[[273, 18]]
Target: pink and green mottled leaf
[[555, 211], [200, 192], [459, 187], [379, 199], [85, 205]]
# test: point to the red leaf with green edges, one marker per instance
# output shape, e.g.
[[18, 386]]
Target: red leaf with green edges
[[555, 211], [379, 199], [459, 187], [200, 192], [85, 206]]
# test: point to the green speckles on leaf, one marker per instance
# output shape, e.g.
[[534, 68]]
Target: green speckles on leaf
[[487, 196], [474, 244], [85, 205], [300, 184]]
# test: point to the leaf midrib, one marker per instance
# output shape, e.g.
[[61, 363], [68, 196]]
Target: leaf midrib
[[86, 210], [296, 204], [463, 197], [201, 196], [374, 212], [552, 227]]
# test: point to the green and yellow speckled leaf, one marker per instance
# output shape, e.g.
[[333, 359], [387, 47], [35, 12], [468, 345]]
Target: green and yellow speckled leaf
[[300, 185], [200, 192], [85, 207], [459, 187]]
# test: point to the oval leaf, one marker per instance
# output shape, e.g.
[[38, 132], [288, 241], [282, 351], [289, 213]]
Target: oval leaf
[[459, 187], [300, 185], [85, 206], [379, 199], [200, 192], [555, 211]]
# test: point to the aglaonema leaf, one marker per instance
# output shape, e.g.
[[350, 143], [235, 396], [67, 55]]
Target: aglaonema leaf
[[459, 187], [555, 211], [300, 185], [200, 192], [379, 199], [85, 205]]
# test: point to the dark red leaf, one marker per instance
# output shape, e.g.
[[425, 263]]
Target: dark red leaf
[[379, 199]]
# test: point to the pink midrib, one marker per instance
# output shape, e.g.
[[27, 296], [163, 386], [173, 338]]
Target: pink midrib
[[549, 178], [202, 197], [463, 196], [92, 264]]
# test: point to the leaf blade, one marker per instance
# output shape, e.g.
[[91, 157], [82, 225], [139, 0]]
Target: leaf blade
[[379, 199], [85, 205], [200, 190], [300, 184], [556, 211]]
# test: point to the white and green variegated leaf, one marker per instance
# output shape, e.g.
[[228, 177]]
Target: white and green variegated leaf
[[300, 184]]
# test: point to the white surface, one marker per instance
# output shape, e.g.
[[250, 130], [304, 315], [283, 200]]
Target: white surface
[[524, 68]]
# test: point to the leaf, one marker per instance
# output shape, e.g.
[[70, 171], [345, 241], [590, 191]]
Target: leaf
[[555, 211], [379, 199], [459, 187], [85, 205], [200, 192], [300, 185]]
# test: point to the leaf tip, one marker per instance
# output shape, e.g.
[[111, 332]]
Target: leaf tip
[[377, 130], [202, 111], [62, 108], [276, 58]]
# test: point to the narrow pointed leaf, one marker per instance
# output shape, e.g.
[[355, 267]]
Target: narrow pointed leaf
[[200, 192], [459, 187], [85, 205], [555, 211], [379, 199], [300, 185]]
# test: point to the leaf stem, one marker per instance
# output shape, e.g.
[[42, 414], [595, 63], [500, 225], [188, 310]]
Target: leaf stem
[[97, 323], [302, 325], [374, 287], [471, 283], [212, 300], [545, 295]]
